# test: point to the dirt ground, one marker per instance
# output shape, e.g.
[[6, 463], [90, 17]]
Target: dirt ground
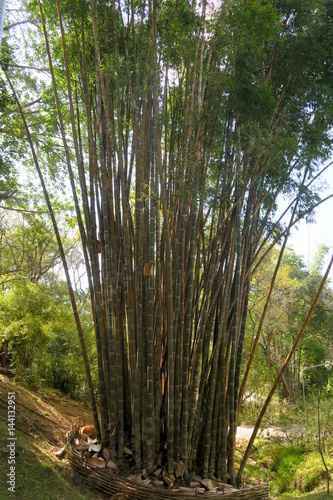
[[45, 416], [45, 413]]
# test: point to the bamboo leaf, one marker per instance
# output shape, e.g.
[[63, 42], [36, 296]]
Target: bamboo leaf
[[112, 465], [169, 480], [81, 447], [92, 440], [60, 453], [209, 484], [146, 270], [95, 447], [107, 454], [181, 467], [87, 431], [97, 462], [127, 451]]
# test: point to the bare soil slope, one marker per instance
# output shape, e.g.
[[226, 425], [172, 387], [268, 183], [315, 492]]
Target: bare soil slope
[[45, 413], [42, 419]]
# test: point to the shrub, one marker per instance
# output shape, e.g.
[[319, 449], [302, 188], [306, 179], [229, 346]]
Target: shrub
[[310, 473]]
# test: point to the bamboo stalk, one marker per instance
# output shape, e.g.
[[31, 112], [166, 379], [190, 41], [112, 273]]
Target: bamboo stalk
[[235, 319], [188, 328], [111, 386]]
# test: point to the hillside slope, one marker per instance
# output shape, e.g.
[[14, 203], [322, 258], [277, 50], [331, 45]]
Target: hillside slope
[[41, 421]]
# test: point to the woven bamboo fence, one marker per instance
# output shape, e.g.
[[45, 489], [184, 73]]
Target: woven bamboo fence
[[108, 482]]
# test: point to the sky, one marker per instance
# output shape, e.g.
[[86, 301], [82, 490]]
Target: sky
[[306, 238]]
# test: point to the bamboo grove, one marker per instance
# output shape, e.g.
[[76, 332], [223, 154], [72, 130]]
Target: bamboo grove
[[181, 125]]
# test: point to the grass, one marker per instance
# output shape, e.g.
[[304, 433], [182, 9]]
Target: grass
[[311, 496], [38, 474], [292, 471]]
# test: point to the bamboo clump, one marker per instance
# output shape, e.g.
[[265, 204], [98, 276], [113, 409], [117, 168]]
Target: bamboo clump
[[110, 483], [175, 189]]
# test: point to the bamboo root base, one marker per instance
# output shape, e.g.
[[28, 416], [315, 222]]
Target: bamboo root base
[[108, 482]]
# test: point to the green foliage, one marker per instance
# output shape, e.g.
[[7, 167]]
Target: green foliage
[[8, 180], [286, 463], [36, 315], [38, 322], [255, 29], [177, 25], [294, 291], [28, 247], [310, 473], [251, 407], [291, 470]]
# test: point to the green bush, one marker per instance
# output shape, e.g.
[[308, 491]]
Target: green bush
[[285, 465], [310, 473], [44, 345], [291, 470]]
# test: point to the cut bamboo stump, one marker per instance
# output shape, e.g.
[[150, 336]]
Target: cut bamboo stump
[[109, 483]]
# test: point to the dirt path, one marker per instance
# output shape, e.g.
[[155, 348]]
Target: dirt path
[[45, 413], [269, 432]]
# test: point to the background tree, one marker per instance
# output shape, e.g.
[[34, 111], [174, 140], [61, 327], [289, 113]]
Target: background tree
[[36, 316], [39, 325], [295, 288]]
